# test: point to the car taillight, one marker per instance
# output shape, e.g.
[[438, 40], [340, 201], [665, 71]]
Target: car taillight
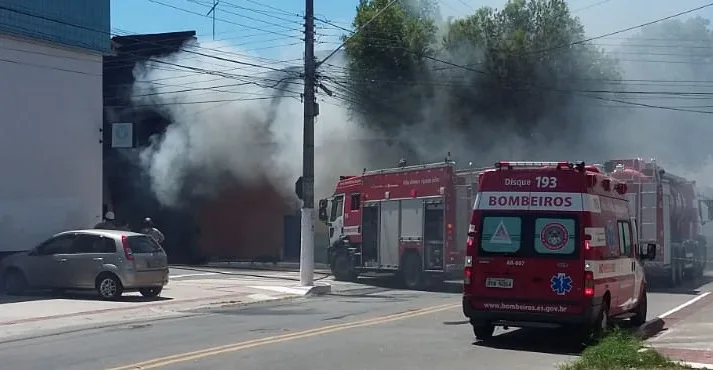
[[588, 284], [127, 248]]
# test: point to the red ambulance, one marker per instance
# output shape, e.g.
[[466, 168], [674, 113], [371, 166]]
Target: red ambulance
[[552, 244]]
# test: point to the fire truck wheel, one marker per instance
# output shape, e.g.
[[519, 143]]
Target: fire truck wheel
[[412, 271], [342, 267], [483, 331], [640, 311]]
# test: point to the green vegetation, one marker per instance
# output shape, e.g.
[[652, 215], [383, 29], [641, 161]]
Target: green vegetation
[[527, 70], [619, 350]]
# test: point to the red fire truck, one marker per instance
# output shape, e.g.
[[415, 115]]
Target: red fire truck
[[408, 220], [671, 215], [551, 244]]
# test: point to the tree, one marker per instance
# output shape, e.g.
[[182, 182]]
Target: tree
[[386, 53], [516, 69], [531, 60]]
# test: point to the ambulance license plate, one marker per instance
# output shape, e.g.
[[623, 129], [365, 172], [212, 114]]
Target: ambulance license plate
[[498, 283]]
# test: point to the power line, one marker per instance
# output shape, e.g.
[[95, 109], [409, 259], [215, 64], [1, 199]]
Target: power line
[[222, 20], [246, 16], [625, 29], [388, 5]]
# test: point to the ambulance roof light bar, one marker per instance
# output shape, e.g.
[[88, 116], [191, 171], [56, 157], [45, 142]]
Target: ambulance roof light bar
[[523, 164]]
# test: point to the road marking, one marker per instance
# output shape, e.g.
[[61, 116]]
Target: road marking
[[208, 352], [189, 275], [680, 307]]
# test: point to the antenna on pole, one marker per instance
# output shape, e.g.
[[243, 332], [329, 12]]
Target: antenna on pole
[[212, 10]]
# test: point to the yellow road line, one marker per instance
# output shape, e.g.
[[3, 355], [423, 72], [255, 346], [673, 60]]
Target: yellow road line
[[194, 355]]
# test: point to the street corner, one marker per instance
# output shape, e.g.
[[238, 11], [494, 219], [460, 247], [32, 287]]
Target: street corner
[[687, 334]]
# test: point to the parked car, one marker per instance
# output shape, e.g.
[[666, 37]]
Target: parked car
[[108, 261]]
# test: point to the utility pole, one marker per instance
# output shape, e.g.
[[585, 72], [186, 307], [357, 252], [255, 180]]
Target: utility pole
[[212, 10], [307, 212]]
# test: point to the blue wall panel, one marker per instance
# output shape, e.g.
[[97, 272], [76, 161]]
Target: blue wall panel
[[79, 23]]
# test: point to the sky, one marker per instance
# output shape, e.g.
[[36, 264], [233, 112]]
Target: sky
[[272, 28]]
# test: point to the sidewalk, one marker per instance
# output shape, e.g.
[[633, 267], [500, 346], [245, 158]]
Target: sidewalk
[[321, 268], [39, 314], [689, 334]]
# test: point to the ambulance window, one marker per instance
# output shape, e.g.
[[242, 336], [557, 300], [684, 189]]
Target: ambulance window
[[501, 234], [337, 206], [354, 206], [624, 238], [555, 236]]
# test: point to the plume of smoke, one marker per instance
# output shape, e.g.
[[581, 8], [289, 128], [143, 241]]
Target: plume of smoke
[[243, 123]]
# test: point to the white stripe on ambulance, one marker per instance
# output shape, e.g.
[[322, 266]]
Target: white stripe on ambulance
[[537, 201]]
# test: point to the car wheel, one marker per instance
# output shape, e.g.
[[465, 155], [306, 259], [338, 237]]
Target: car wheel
[[14, 282], [483, 331], [640, 313], [151, 292], [108, 286], [412, 271]]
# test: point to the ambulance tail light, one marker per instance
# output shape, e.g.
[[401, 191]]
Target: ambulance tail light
[[469, 253], [588, 284]]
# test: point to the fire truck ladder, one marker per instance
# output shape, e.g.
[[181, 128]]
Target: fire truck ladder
[[648, 209]]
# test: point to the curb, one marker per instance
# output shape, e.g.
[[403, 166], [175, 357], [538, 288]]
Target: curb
[[259, 265], [650, 328], [321, 289]]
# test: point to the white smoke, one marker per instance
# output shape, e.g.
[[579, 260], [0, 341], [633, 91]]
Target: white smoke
[[243, 122]]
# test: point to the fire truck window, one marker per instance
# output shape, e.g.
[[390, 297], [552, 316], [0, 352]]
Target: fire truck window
[[337, 207], [501, 234], [624, 238], [355, 202], [555, 236]]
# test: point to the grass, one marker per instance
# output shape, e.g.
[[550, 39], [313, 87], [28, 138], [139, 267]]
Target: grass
[[620, 350]]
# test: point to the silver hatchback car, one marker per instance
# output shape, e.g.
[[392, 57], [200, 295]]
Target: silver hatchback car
[[109, 261]]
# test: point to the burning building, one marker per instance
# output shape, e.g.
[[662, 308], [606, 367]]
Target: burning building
[[236, 222]]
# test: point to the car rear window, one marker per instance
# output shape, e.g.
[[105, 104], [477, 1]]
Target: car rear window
[[143, 244], [529, 236]]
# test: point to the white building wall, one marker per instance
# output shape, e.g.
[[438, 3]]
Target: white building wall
[[50, 149]]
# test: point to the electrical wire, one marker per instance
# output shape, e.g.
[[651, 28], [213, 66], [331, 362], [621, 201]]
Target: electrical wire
[[222, 20], [356, 32]]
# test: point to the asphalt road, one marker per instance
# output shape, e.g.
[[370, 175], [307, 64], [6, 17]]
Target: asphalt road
[[380, 329]]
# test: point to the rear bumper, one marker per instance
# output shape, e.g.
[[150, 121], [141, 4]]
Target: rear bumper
[[524, 318], [144, 279]]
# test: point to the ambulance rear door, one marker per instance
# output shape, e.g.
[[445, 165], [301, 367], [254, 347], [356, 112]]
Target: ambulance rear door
[[529, 262]]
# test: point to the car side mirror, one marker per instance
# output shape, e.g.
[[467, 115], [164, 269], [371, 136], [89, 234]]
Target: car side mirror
[[323, 210]]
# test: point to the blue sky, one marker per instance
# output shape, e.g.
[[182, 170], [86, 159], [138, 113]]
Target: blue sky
[[272, 28], [264, 27]]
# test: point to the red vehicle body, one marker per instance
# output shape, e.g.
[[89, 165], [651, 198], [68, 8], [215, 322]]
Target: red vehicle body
[[551, 244], [410, 220], [670, 213]]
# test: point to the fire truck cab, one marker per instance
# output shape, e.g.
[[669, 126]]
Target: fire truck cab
[[408, 220], [552, 244]]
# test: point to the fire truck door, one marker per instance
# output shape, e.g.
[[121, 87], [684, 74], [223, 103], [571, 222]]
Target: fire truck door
[[636, 260], [369, 234], [389, 234]]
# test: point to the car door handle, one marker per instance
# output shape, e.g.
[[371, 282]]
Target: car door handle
[[62, 260], [98, 259]]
